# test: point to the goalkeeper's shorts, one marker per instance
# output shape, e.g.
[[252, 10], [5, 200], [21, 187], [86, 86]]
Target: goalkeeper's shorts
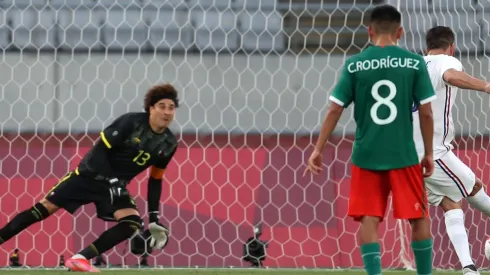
[[370, 191], [74, 190]]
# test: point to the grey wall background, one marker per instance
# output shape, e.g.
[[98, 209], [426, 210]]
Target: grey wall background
[[219, 93]]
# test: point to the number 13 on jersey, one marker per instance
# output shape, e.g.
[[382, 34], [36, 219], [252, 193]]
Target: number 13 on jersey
[[386, 101], [142, 158]]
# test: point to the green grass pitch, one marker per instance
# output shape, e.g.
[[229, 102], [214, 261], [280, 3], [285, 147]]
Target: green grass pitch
[[214, 271]]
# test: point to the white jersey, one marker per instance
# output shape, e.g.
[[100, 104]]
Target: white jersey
[[442, 106]]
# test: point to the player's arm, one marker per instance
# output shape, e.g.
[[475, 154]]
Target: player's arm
[[427, 126], [463, 80], [159, 232], [423, 95], [155, 187], [341, 97], [154, 192], [331, 119]]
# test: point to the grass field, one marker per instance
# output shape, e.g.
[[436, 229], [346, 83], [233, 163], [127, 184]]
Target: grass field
[[214, 271]]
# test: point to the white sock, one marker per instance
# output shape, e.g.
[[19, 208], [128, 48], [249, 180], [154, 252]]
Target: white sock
[[480, 201], [78, 256], [457, 234]]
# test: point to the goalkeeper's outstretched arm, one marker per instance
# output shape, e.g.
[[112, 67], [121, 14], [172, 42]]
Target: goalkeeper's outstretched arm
[[465, 81]]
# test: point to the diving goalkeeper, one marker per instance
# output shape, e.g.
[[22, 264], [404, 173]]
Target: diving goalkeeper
[[131, 144]]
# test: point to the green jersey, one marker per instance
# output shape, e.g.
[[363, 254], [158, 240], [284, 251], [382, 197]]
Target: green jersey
[[384, 83]]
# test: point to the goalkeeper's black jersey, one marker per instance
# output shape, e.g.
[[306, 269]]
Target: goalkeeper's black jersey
[[127, 147]]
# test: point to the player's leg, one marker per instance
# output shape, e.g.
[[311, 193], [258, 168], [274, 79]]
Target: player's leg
[[410, 202], [367, 203], [479, 199], [447, 186], [456, 231], [28, 217], [38, 212], [129, 222]]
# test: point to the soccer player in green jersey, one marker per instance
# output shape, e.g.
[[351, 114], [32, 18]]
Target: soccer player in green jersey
[[383, 82]]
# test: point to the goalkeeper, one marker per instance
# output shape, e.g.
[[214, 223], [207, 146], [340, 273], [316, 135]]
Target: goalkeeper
[[131, 144], [383, 82]]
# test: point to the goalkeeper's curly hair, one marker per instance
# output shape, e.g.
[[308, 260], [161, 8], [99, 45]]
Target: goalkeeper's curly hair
[[159, 92]]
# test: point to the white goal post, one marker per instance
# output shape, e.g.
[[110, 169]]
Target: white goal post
[[254, 76]]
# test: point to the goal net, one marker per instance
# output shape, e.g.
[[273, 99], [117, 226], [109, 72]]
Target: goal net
[[254, 76]]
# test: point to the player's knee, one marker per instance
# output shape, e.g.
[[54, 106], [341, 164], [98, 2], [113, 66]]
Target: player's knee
[[447, 204], [121, 213], [49, 206], [478, 186], [420, 228], [39, 211], [132, 224], [370, 221]]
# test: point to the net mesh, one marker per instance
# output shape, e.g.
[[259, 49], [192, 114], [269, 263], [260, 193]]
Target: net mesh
[[255, 78]]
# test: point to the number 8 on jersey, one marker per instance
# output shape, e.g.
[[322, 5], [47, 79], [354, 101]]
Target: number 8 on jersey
[[383, 101]]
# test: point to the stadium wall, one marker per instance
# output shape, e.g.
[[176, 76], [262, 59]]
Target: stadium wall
[[214, 191], [220, 93]]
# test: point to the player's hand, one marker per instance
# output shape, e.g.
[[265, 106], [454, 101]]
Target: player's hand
[[314, 163], [487, 88], [159, 233], [427, 165]]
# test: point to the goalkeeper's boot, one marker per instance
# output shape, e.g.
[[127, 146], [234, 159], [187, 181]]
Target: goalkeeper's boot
[[80, 265], [470, 270]]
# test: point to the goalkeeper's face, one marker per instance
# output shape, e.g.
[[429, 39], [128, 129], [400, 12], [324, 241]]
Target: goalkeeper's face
[[162, 113]]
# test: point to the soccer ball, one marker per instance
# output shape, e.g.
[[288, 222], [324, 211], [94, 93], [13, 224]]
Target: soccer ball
[[487, 249]]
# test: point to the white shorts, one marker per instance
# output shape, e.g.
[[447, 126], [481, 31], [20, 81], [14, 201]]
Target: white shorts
[[451, 178]]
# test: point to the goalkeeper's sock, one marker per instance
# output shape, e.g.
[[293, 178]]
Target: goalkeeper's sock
[[78, 256], [23, 220], [110, 238], [480, 201], [371, 256], [457, 234], [422, 251]]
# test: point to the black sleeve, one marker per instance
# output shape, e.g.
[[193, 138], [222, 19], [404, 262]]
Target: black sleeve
[[155, 188], [154, 194], [116, 133]]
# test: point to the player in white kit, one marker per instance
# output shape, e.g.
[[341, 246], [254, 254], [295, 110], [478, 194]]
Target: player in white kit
[[452, 180]]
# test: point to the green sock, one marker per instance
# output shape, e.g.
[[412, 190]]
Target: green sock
[[371, 256], [422, 251]]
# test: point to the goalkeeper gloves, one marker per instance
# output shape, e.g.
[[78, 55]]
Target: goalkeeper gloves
[[159, 233]]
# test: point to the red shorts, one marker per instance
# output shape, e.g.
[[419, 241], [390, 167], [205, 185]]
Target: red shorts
[[370, 189]]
